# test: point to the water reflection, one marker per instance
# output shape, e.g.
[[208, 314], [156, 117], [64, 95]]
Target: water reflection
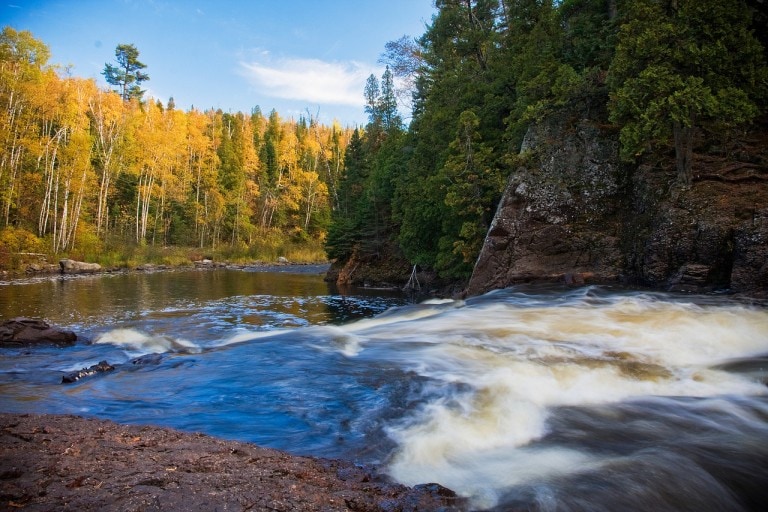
[[210, 300]]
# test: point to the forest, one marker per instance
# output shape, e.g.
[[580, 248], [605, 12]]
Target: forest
[[665, 75], [108, 176], [91, 172]]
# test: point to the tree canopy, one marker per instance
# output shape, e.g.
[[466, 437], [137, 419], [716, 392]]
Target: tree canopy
[[680, 66], [665, 71], [84, 169]]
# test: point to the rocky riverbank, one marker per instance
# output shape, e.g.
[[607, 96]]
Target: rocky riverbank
[[73, 267], [53, 462]]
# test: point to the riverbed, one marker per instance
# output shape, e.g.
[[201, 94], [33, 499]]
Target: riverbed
[[538, 398]]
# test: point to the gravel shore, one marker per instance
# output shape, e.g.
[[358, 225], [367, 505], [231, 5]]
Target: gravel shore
[[51, 462]]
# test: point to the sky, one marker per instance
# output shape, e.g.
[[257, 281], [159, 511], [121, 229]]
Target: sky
[[298, 57]]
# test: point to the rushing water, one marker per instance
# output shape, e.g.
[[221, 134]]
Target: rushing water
[[522, 399]]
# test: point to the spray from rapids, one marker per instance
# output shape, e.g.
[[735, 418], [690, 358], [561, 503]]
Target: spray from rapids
[[501, 369]]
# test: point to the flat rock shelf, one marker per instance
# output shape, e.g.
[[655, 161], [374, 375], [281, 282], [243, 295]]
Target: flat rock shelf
[[53, 462]]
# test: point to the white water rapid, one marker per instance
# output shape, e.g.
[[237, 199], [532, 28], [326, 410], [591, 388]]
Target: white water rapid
[[501, 368]]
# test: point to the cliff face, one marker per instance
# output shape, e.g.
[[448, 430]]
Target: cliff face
[[572, 213]]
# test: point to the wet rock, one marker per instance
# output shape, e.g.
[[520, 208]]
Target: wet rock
[[755, 367], [28, 331], [750, 253], [41, 268], [147, 359], [78, 267], [92, 370], [691, 278]]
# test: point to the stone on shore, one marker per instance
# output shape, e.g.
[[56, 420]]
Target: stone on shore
[[78, 267]]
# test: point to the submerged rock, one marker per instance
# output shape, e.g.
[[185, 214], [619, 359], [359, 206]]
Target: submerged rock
[[147, 359], [29, 331]]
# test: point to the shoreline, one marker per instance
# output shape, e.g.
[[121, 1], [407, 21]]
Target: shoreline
[[66, 462], [9, 276]]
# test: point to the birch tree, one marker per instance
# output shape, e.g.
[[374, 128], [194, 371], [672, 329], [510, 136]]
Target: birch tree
[[109, 118], [22, 61]]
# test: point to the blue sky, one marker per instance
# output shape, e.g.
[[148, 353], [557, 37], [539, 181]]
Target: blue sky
[[290, 55]]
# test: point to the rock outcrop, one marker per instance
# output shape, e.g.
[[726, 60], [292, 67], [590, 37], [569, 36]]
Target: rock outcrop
[[573, 213], [560, 216], [386, 270], [28, 331]]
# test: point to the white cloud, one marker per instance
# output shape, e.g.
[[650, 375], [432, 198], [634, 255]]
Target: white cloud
[[310, 80]]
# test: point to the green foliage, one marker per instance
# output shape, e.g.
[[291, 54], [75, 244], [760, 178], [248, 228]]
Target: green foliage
[[680, 67], [344, 232], [484, 70], [363, 220], [460, 79], [588, 34], [254, 187], [474, 185]]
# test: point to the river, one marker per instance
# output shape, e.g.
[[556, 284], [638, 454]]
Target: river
[[529, 398]]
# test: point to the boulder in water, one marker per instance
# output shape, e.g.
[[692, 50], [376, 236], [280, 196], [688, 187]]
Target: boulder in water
[[29, 331], [147, 359], [95, 369]]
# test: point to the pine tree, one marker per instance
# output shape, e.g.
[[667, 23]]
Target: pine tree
[[681, 65], [127, 76]]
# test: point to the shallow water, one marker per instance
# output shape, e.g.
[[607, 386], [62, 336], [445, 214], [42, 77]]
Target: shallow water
[[527, 398]]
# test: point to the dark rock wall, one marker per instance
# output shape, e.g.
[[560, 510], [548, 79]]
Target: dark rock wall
[[560, 217], [572, 213]]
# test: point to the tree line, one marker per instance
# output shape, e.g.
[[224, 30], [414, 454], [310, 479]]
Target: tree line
[[82, 168], [665, 74], [88, 169]]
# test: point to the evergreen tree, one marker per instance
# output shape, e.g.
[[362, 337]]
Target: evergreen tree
[[681, 65], [387, 103], [127, 76], [344, 233], [473, 188], [459, 51]]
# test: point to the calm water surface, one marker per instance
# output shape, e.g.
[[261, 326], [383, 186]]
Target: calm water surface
[[522, 399]]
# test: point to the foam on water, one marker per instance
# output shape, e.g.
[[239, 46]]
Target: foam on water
[[515, 363], [141, 343]]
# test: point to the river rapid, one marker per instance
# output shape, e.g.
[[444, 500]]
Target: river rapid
[[521, 399]]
